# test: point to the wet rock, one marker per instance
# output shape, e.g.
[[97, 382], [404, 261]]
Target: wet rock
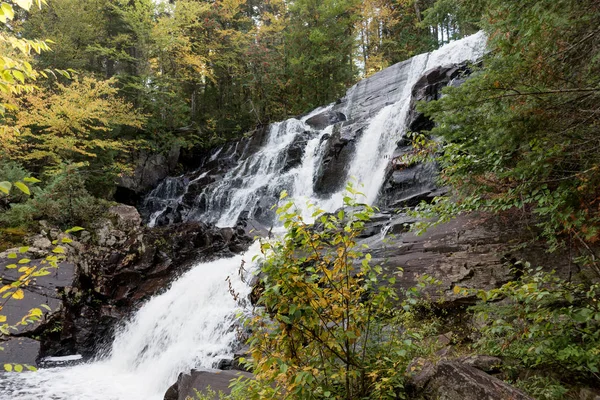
[[150, 169], [124, 266], [339, 151], [217, 380], [429, 87], [324, 119]]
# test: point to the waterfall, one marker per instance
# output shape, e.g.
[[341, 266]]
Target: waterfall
[[293, 148], [190, 325]]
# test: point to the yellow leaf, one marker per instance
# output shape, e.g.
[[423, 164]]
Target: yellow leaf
[[18, 295], [2, 318], [23, 188], [25, 4]]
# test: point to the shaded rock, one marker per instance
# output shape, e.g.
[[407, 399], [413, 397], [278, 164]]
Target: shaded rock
[[124, 266], [150, 169], [456, 381], [481, 362], [324, 119], [339, 151], [471, 251], [428, 88], [217, 380]]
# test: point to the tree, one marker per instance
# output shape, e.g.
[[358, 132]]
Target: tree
[[522, 133], [328, 325], [319, 49]]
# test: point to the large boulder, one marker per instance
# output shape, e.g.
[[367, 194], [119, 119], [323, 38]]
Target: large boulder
[[201, 380], [471, 251], [150, 168], [451, 380]]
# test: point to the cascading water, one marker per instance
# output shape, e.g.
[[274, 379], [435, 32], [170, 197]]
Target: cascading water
[[255, 183], [190, 325]]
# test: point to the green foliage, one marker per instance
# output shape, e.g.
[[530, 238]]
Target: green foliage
[[544, 323], [64, 202], [320, 45], [542, 388], [522, 133], [327, 326]]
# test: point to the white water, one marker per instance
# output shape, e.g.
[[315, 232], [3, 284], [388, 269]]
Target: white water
[[255, 184], [190, 325]]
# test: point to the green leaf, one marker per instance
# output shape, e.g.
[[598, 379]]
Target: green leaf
[[74, 229], [58, 250], [23, 188], [11, 266], [5, 187], [8, 367], [12, 255], [31, 179], [23, 249], [18, 368], [19, 75]]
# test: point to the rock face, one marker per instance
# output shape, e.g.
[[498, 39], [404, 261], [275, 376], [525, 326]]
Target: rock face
[[450, 380], [476, 251], [149, 170], [121, 265], [203, 193], [217, 380]]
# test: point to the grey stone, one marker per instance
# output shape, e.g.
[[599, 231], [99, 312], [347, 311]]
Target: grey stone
[[217, 380], [19, 350], [449, 380]]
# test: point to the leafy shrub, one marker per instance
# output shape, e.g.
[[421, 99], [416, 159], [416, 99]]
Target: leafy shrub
[[328, 325], [64, 202], [11, 171], [544, 323]]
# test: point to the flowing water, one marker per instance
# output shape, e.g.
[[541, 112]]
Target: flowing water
[[190, 325]]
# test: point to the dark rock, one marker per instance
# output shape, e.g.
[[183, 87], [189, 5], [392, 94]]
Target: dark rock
[[324, 119], [217, 380], [469, 251], [456, 381], [150, 169], [126, 265], [331, 175], [481, 362]]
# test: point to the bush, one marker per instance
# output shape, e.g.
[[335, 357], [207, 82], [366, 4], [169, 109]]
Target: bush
[[329, 325], [543, 323], [64, 202]]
